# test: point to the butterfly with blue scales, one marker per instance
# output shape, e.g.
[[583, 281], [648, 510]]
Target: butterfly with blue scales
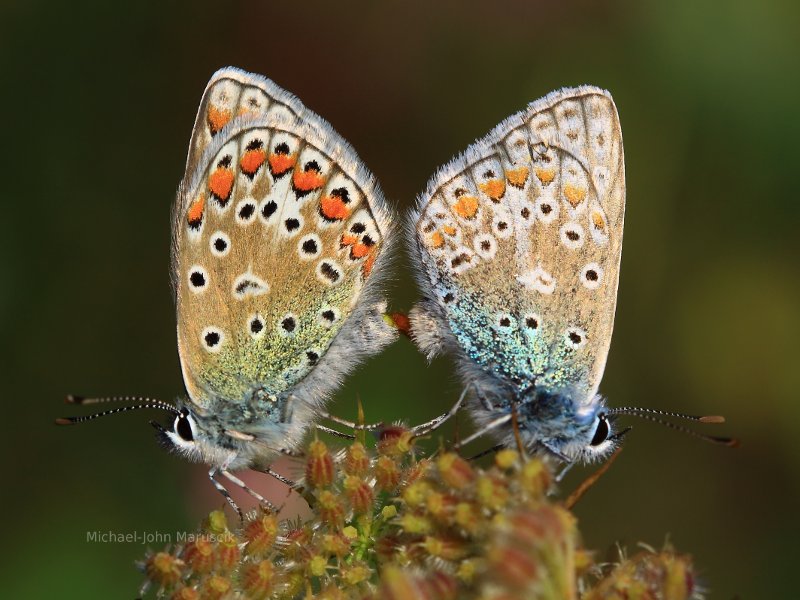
[[517, 245]]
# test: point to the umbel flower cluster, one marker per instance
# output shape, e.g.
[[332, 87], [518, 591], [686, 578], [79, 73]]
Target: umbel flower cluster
[[389, 525]]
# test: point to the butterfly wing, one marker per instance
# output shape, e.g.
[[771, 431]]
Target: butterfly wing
[[278, 232], [519, 243]]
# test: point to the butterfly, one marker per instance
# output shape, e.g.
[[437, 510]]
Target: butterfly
[[517, 244], [279, 240]]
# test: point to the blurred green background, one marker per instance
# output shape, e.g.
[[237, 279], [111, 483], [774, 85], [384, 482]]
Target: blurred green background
[[97, 105]]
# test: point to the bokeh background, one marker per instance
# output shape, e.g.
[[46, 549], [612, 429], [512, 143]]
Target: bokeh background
[[97, 102]]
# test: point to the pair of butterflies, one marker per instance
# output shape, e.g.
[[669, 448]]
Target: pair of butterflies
[[280, 242]]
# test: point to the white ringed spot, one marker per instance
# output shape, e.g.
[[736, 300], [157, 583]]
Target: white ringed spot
[[287, 325], [312, 357], [219, 243], [592, 276], [575, 338], [527, 214], [212, 338], [246, 211], [309, 246], [571, 235], [256, 326], [546, 210], [531, 322], [329, 272], [197, 279], [485, 245], [461, 259], [501, 224], [328, 315], [504, 322]]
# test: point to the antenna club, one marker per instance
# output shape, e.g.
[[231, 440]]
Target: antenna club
[[73, 399], [712, 419], [64, 421]]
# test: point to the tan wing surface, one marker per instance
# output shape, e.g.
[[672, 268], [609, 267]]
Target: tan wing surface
[[521, 239], [277, 228]]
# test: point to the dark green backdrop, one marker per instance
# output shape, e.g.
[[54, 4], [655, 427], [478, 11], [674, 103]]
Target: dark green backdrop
[[97, 101]]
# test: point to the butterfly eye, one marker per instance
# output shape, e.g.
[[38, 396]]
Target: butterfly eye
[[183, 427], [602, 431]]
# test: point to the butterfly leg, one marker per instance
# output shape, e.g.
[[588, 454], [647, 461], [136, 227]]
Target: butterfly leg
[[221, 489], [324, 429], [564, 471], [285, 480], [491, 450], [263, 501], [555, 453], [434, 424], [568, 462], [492, 425], [297, 487], [350, 424], [486, 404]]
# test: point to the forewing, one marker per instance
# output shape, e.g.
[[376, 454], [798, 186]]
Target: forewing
[[233, 93], [520, 241], [276, 232]]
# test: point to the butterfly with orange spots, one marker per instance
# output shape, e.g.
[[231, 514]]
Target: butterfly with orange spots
[[518, 242], [279, 239]]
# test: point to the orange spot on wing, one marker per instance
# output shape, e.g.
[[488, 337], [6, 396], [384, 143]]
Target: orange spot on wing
[[546, 175], [366, 268], [574, 194], [306, 181], [333, 208], [195, 214], [220, 182], [359, 250], [494, 188], [599, 222], [252, 161], [518, 177], [217, 118], [449, 230], [280, 163], [437, 239], [348, 239], [466, 206]]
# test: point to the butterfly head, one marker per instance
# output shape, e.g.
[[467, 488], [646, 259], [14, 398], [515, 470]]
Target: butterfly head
[[201, 439], [581, 432]]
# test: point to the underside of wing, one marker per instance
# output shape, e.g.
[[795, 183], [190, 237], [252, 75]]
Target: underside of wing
[[278, 230], [233, 93], [520, 238]]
